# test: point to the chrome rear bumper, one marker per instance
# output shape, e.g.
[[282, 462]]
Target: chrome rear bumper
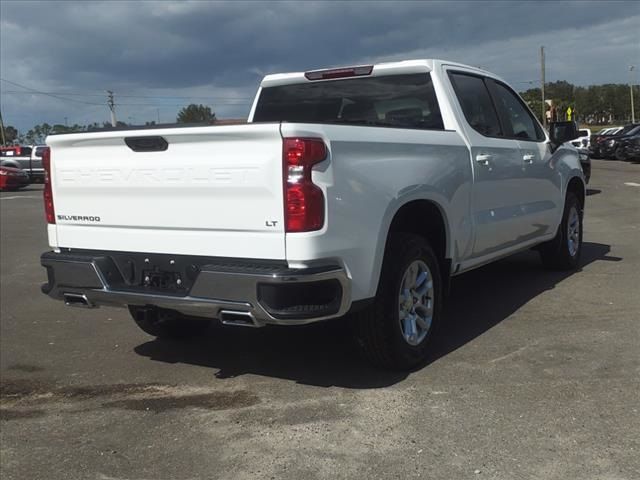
[[267, 294]]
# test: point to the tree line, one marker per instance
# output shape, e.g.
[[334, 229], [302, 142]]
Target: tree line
[[190, 114], [608, 104]]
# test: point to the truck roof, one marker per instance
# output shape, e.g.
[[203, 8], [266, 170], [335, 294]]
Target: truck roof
[[384, 68]]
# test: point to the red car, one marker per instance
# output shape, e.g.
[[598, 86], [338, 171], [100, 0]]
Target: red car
[[13, 178]]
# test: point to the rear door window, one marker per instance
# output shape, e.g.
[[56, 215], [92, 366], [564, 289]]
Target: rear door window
[[476, 103], [401, 101]]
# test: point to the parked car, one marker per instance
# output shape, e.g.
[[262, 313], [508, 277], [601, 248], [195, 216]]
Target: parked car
[[27, 158], [357, 190], [628, 147], [13, 178], [612, 147], [583, 140], [597, 139]]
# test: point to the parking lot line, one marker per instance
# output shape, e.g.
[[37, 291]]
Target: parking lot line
[[16, 197]]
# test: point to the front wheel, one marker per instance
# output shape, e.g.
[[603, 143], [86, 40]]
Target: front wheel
[[563, 252], [395, 331], [620, 154]]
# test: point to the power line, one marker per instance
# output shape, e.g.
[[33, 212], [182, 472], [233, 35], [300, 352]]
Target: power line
[[186, 97], [157, 104], [48, 94], [229, 102], [75, 94], [234, 101], [175, 104], [130, 96]]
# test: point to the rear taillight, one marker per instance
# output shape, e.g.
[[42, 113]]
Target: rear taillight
[[47, 193], [304, 201]]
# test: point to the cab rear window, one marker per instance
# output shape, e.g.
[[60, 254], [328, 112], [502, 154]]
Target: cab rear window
[[401, 101]]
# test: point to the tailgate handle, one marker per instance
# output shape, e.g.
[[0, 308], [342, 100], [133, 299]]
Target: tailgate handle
[[146, 144]]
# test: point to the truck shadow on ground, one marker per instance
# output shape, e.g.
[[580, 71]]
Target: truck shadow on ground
[[325, 354]]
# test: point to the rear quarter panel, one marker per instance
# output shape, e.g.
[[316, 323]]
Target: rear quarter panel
[[371, 172]]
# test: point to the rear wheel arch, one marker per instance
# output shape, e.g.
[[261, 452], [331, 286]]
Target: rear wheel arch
[[427, 219]]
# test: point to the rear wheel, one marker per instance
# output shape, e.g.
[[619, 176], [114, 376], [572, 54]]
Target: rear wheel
[[395, 331], [563, 252], [168, 324]]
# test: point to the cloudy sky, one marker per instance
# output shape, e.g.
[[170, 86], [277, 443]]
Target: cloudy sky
[[159, 56]]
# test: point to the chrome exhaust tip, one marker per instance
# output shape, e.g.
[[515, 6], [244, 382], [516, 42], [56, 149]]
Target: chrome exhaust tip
[[77, 300], [238, 318]]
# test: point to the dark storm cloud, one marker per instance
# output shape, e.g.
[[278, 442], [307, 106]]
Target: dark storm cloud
[[181, 46]]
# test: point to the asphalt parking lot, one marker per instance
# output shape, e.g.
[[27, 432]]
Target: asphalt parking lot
[[536, 375]]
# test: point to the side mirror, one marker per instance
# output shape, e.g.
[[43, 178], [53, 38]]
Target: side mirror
[[560, 132]]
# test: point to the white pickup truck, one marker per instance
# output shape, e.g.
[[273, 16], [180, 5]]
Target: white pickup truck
[[358, 190]]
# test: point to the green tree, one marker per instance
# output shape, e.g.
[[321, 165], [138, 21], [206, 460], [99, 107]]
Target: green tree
[[533, 99], [10, 134], [560, 90], [196, 114], [594, 105], [37, 134], [59, 128]]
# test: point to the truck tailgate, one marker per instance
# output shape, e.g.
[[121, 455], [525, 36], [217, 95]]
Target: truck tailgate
[[214, 191]]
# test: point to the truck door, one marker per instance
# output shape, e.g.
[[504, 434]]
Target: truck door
[[540, 188], [497, 168]]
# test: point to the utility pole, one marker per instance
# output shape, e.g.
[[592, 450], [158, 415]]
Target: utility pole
[[544, 105], [2, 137], [633, 113], [158, 116], [112, 107]]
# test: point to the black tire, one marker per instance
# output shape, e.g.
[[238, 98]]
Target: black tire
[[377, 328], [556, 254], [168, 324], [620, 155]]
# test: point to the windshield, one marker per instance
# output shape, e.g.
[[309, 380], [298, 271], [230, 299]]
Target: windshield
[[403, 101], [627, 129], [634, 130]]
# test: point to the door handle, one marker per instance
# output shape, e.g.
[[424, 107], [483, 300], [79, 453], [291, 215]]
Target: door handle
[[483, 158], [528, 159]]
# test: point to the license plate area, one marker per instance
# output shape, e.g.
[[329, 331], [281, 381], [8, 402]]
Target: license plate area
[[163, 280]]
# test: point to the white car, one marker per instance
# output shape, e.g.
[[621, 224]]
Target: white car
[[357, 190], [583, 141]]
